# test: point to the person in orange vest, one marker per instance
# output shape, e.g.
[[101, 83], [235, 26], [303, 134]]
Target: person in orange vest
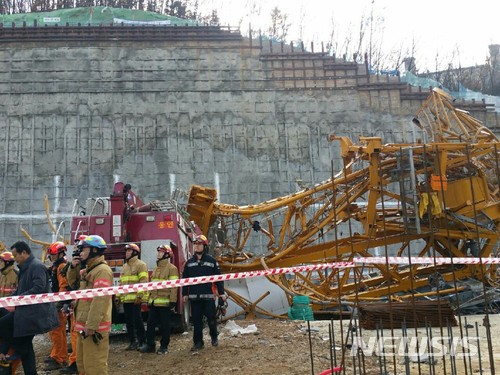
[[93, 314], [59, 350], [133, 271], [8, 285], [73, 336], [161, 301]]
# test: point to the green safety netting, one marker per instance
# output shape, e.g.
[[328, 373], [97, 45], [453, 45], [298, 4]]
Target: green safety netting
[[462, 93], [94, 16]]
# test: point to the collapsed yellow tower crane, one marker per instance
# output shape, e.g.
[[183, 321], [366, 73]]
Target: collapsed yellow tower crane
[[438, 197]]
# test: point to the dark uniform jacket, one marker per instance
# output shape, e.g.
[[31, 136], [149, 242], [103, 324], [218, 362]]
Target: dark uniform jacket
[[39, 318], [206, 266]]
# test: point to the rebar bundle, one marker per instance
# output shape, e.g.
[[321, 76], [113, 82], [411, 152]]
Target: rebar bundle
[[412, 314]]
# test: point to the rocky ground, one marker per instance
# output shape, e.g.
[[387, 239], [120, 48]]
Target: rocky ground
[[273, 347]]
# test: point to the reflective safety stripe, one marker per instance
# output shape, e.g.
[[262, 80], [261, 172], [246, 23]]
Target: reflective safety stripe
[[131, 297], [102, 283], [205, 264], [173, 277], [195, 296], [129, 279], [103, 326], [143, 275], [160, 301]]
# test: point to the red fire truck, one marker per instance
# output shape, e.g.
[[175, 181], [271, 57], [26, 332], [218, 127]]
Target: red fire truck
[[124, 218]]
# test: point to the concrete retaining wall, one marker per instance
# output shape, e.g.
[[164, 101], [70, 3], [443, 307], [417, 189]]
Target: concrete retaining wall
[[162, 116]]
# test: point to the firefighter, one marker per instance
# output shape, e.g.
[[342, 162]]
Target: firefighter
[[133, 271], [59, 350], [201, 296], [93, 314], [73, 335], [8, 285], [8, 276], [161, 301]]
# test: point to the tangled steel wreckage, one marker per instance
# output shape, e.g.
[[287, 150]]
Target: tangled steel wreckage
[[438, 197]]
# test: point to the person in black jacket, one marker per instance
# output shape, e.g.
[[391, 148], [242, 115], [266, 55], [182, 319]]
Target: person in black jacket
[[201, 296], [21, 325]]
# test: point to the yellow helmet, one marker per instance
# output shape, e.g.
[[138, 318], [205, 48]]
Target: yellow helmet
[[166, 249], [132, 246], [201, 239]]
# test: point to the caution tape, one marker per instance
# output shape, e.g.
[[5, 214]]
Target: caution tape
[[124, 289], [425, 260], [133, 288]]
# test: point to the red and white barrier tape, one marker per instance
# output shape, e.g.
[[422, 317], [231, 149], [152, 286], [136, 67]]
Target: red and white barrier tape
[[426, 260], [109, 291], [123, 289]]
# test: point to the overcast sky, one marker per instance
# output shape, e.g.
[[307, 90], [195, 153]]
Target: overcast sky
[[455, 30]]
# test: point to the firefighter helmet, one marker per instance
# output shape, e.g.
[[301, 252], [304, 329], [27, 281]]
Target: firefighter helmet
[[81, 237], [201, 239], [7, 257], [56, 248], [93, 241], [133, 247], [165, 249]]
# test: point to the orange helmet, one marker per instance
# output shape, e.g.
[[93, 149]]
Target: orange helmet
[[166, 249], [56, 248], [201, 239], [133, 247], [7, 256]]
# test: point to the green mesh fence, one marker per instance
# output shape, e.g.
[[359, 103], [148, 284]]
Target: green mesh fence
[[94, 16], [463, 93]]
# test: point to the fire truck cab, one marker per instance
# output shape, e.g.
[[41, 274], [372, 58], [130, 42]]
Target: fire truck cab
[[124, 218]]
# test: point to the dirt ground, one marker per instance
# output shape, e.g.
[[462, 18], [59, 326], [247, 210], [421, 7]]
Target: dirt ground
[[277, 347]]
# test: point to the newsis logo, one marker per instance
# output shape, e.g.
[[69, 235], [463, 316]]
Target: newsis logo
[[438, 346]]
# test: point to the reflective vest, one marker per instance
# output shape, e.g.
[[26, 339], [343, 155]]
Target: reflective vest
[[94, 312], [163, 271], [8, 281], [133, 272]]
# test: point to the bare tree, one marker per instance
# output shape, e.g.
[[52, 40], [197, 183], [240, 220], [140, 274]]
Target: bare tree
[[212, 19], [493, 69], [345, 48], [253, 12], [6, 6], [302, 17], [332, 44], [361, 36], [279, 24]]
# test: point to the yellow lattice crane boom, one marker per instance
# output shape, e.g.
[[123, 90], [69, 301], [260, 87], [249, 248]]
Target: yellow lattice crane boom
[[438, 197]]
